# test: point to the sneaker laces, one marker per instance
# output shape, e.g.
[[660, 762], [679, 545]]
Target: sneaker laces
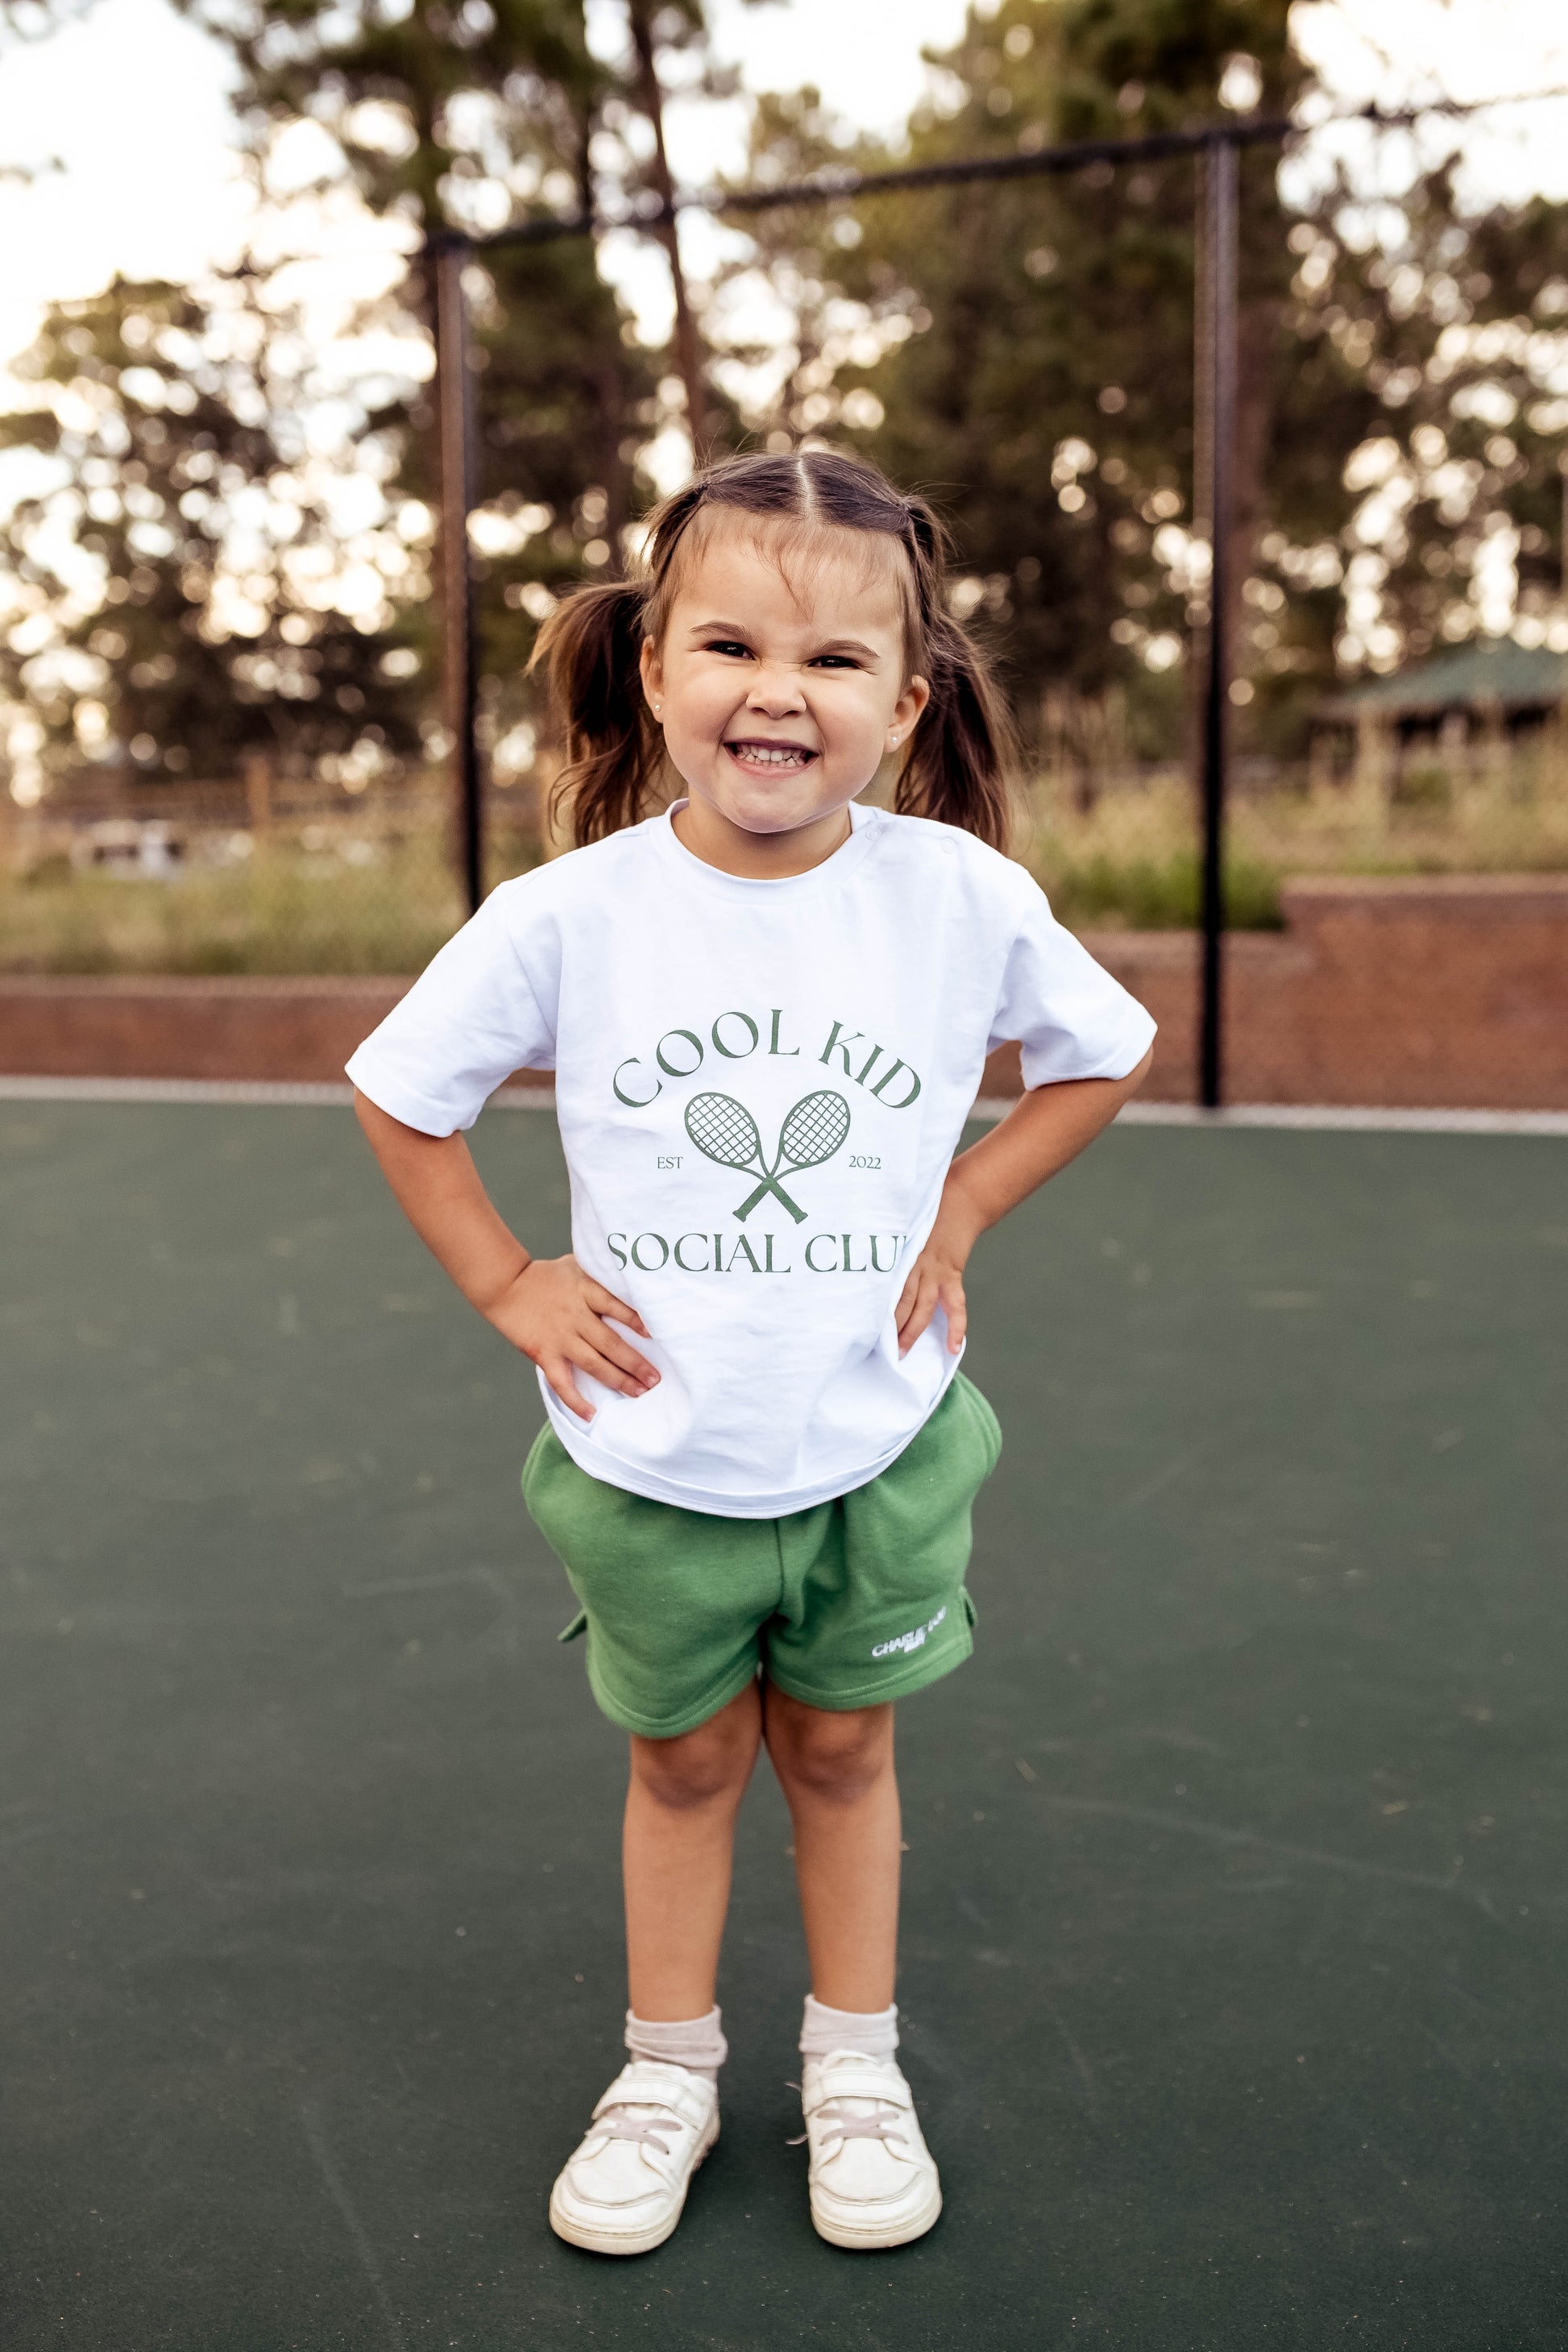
[[842, 2125], [620, 2123]]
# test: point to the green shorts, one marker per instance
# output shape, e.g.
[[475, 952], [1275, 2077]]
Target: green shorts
[[845, 1605]]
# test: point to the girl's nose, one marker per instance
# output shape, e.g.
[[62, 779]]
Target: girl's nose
[[775, 694]]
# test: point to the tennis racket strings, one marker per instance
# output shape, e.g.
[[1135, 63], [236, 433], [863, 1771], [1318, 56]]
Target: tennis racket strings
[[724, 1130]]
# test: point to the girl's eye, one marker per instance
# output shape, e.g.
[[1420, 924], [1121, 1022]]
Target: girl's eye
[[835, 661], [729, 645]]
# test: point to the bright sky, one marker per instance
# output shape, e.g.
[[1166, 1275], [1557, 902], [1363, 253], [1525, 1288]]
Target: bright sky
[[132, 102]]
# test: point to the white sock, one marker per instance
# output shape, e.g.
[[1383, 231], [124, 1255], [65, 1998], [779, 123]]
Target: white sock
[[823, 2029], [697, 2043]]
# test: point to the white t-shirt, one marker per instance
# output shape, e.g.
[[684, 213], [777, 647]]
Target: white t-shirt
[[759, 1086]]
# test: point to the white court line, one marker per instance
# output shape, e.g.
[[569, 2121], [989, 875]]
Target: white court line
[[165, 1090], [1347, 1118], [224, 1090]]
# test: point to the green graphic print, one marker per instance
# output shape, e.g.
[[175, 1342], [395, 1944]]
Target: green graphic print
[[724, 1130]]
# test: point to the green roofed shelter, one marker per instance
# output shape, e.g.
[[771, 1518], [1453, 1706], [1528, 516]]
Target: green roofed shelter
[[1466, 708], [1491, 675]]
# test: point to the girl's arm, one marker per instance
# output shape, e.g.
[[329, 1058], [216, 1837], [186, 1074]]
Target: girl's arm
[[548, 1308], [1040, 1134]]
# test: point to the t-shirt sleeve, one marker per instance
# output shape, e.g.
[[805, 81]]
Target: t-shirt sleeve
[[472, 1017], [1071, 1018]]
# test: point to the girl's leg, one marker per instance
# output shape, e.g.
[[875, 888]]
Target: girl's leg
[[872, 2180], [837, 1773], [623, 2189], [679, 1831]]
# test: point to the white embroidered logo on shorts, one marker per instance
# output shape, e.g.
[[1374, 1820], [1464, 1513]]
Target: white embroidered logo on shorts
[[914, 1640]]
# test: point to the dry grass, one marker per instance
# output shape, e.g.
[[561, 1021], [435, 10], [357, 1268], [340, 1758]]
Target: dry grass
[[284, 909], [1131, 859]]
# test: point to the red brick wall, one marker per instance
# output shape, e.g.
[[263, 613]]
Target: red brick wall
[[1450, 992], [1442, 993], [218, 1028]]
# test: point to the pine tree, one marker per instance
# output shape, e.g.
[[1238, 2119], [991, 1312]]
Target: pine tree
[[477, 117], [1037, 335], [1024, 351]]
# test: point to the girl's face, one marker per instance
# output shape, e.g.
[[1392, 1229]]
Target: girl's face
[[780, 696]]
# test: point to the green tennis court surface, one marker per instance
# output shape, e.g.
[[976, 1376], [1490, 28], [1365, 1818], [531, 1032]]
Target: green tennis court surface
[[1234, 1923]]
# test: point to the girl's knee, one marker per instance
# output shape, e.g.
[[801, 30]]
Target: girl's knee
[[699, 1767], [836, 1756]]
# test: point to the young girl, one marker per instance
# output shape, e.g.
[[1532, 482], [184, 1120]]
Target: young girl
[[768, 1009]]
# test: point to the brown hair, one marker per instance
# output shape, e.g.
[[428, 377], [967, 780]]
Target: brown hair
[[955, 769]]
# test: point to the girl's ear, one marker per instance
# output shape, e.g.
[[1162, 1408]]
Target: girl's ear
[[652, 671], [907, 708]]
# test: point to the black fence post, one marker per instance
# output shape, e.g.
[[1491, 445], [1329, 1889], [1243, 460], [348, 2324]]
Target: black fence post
[[455, 394], [1217, 229]]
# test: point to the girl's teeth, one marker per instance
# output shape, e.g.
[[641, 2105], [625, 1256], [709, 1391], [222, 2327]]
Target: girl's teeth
[[782, 758]]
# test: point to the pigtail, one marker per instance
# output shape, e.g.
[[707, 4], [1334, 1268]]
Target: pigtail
[[962, 752], [965, 749], [590, 650]]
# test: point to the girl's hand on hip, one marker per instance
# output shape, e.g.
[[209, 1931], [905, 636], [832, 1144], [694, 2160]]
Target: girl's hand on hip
[[936, 1279], [556, 1315], [1047, 1127]]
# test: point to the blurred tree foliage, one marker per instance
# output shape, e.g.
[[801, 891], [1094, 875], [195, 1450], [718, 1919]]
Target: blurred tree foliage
[[1024, 350], [176, 586], [1036, 335], [34, 20], [1452, 496], [480, 115], [472, 116]]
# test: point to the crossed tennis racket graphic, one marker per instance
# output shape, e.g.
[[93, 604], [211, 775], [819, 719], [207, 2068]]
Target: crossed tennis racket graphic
[[723, 1130]]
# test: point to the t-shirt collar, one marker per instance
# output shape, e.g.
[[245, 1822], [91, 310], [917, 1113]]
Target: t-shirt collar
[[864, 825]]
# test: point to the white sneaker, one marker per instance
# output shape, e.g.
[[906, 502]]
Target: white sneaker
[[873, 2179], [623, 2191]]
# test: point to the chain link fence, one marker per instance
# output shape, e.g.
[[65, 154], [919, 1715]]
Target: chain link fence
[[1325, 893]]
